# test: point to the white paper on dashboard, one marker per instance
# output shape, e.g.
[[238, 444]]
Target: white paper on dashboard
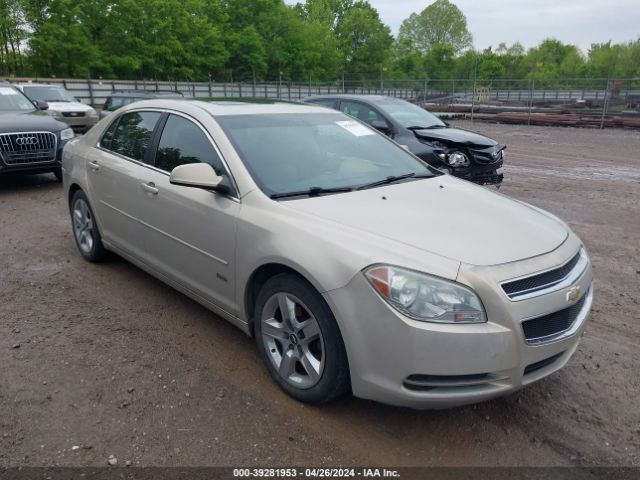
[[355, 128]]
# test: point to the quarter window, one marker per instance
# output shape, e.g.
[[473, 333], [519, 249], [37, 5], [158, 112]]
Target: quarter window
[[133, 134], [182, 141], [107, 137]]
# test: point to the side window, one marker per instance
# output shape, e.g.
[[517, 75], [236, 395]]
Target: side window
[[329, 103], [360, 111], [182, 141], [107, 137], [133, 133]]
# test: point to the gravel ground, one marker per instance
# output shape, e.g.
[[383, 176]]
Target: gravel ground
[[103, 360]]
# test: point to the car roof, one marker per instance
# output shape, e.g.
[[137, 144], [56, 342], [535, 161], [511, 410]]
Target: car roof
[[221, 108], [366, 98], [143, 93]]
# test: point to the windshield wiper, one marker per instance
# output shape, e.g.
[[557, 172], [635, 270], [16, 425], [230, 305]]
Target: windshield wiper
[[311, 192], [58, 100], [393, 179], [430, 127]]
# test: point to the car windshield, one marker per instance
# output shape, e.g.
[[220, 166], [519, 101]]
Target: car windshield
[[48, 94], [409, 115], [11, 101], [299, 152]]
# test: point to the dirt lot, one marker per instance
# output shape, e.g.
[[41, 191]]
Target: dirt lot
[[100, 360]]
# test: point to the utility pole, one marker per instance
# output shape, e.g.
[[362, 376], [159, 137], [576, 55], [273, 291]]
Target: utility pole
[[381, 80]]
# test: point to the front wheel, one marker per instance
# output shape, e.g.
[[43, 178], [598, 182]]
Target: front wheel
[[299, 340], [85, 228], [58, 174]]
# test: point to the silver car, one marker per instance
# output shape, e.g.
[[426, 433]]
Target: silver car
[[354, 265]]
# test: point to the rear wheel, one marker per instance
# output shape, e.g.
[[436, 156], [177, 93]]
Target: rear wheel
[[299, 340], [85, 228]]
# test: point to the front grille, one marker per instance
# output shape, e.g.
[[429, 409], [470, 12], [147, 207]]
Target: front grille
[[487, 155], [28, 147], [541, 281], [73, 114], [541, 364], [554, 323]]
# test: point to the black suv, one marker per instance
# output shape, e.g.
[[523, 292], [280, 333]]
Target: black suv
[[31, 141], [462, 153], [121, 98]]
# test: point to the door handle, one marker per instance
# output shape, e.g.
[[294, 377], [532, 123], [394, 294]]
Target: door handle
[[93, 165], [150, 188]]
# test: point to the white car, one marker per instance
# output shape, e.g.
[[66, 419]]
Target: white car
[[355, 265], [62, 105]]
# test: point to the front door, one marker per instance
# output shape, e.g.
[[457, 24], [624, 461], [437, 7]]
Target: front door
[[191, 231]]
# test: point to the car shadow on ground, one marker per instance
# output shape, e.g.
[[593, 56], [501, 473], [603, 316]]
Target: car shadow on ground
[[14, 182]]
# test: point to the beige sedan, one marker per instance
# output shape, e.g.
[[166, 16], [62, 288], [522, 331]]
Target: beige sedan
[[354, 265]]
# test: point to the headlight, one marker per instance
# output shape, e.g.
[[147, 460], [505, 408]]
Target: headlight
[[67, 134], [55, 114], [458, 159], [92, 113], [422, 297]]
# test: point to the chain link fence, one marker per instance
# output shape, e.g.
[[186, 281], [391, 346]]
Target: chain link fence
[[595, 100]]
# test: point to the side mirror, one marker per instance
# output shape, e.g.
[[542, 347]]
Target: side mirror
[[198, 175], [41, 104], [381, 126]]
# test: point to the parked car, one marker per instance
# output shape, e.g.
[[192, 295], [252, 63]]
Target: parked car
[[354, 264], [125, 97], [30, 140], [62, 105], [464, 154]]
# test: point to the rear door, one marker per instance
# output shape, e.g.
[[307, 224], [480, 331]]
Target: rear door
[[191, 231], [116, 172]]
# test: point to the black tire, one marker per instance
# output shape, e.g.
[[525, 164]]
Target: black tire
[[58, 174], [334, 380], [95, 252]]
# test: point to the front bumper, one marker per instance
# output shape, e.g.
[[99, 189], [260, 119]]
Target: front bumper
[[79, 124], [399, 361]]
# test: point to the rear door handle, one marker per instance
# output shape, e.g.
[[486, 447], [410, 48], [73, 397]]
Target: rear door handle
[[150, 187], [93, 165]]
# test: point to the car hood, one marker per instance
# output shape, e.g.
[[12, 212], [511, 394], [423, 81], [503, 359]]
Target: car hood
[[68, 107], [29, 122], [456, 135], [445, 216]]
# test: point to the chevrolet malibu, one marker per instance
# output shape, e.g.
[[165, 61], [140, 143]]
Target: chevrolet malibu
[[353, 264]]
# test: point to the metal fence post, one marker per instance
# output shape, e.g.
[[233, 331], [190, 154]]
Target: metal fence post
[[531, 86], [91, 100], [605, 105]]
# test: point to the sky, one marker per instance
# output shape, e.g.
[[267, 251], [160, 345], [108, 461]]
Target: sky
[[578, 22]]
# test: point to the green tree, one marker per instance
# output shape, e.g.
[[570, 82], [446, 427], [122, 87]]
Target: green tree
[[364, 41], [441, 23]]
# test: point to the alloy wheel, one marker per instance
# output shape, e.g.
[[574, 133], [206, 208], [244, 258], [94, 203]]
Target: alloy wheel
[[83, 225], [292, 340]]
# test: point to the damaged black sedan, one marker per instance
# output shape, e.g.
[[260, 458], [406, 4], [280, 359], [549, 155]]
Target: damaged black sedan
[[465, 154]]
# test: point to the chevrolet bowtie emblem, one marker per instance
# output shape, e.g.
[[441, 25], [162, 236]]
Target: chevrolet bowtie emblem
[[573, 294]]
